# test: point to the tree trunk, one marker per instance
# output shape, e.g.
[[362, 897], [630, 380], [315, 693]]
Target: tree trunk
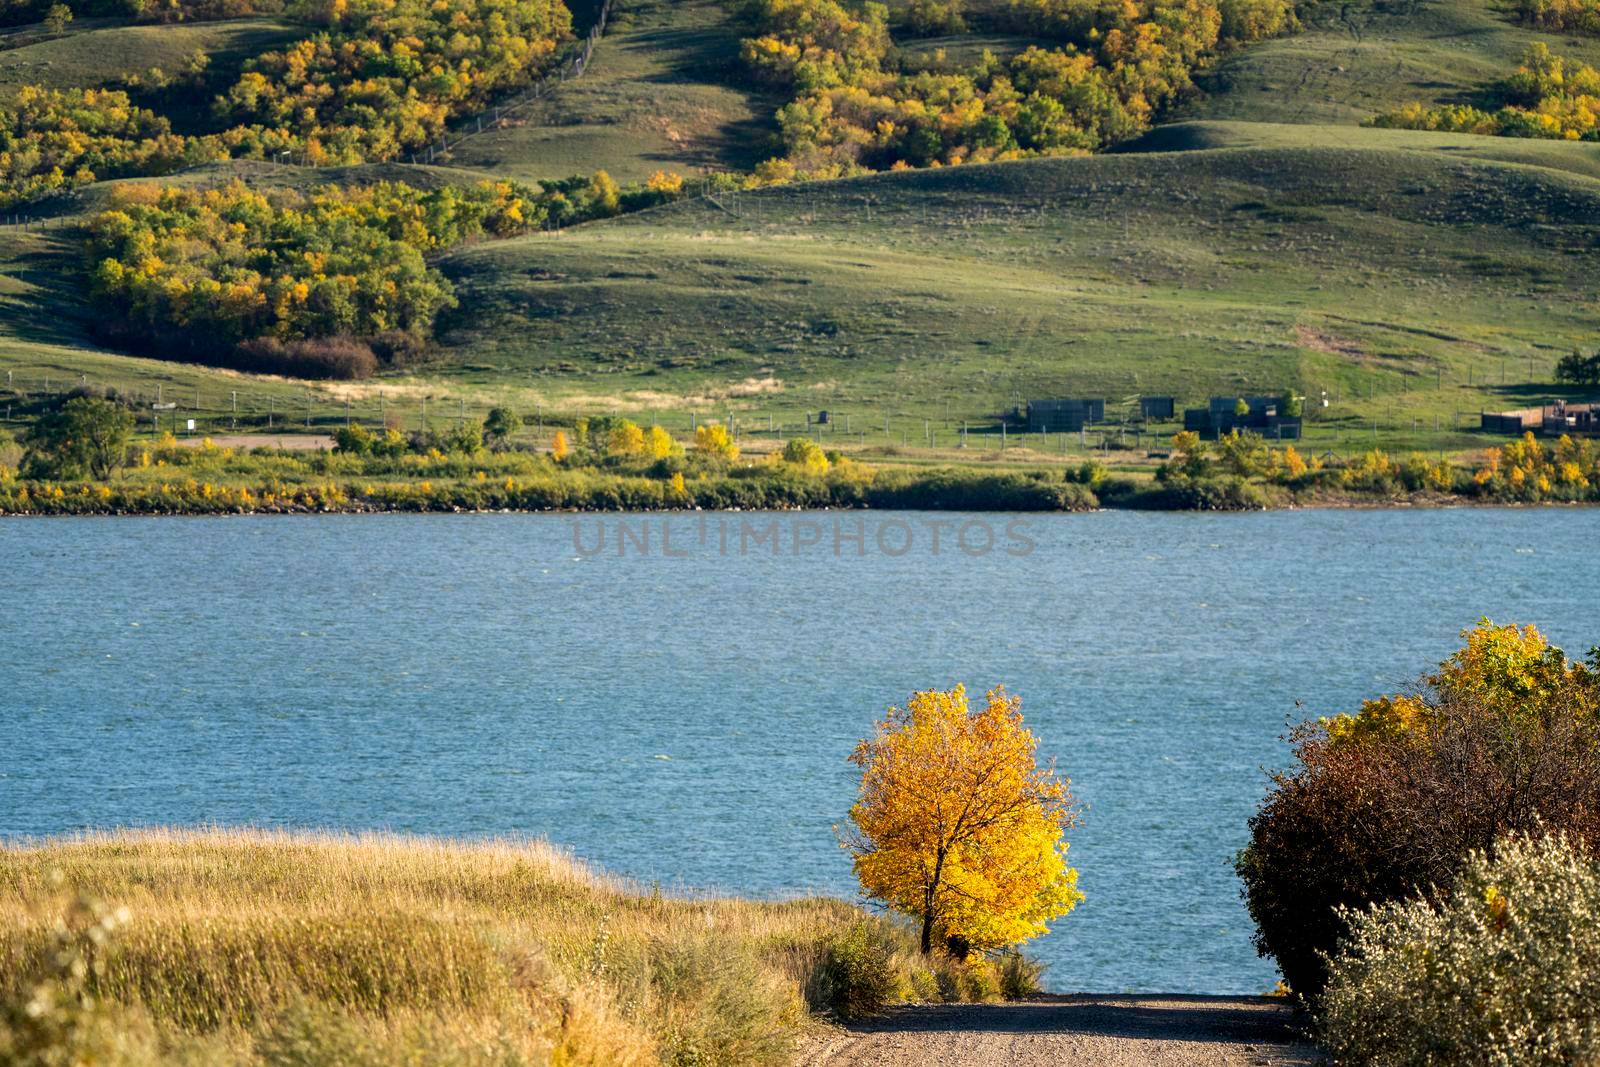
[[928, 896]]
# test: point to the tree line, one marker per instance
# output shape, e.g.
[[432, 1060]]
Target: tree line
[[860, 104], [1547, 96], [1571, 16], [372, 81], [331, 283]]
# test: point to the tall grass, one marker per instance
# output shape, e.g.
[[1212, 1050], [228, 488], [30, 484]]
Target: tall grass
[[256, 947]]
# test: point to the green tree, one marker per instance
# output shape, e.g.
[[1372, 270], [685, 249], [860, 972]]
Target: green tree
[[86, 434], [500, 425], [1577, 369]]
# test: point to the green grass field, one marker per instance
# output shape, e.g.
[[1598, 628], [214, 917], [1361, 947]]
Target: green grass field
[[1265, 242]]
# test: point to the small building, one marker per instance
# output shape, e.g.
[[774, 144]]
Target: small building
[[1554, 419], [1060, 416], [1564, 418], [1157, 408], [1261, 416], [1511, 422]]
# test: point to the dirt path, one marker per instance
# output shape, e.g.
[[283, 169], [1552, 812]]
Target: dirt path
[[1081, 1030], [293, 442]]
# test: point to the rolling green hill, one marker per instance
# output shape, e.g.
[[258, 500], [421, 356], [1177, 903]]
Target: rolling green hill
[[1575, 157], [1386, 277], [1264, 241]]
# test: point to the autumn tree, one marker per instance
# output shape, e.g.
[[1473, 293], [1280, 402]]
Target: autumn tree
[[958, 825], [559, 449], [806, 454], [626, 438], [714, 439], [1384, 804]]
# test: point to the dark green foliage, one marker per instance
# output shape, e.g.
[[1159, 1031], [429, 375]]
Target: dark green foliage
[[1188, 494], [962, 490], [87, 435], [499, 425], [1577, 369]]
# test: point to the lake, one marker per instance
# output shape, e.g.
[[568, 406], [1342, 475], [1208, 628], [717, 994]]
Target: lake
[[680, 713]]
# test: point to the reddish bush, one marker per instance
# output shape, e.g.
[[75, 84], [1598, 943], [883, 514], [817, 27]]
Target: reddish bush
[[319, 357], [1386, 804]]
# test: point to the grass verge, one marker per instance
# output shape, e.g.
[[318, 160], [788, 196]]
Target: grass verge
[[250, 947]]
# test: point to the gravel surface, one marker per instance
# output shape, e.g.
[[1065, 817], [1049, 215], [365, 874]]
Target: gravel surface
[[1081, 1029]]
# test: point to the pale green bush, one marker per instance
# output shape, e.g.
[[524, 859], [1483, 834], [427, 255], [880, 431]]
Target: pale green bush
[[1504, 972]]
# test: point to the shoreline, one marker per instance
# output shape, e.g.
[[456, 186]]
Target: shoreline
[[1354, 504]]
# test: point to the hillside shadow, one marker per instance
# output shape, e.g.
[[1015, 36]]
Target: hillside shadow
[[741, 144], [696, 55], [1528, 394], [52, 309]]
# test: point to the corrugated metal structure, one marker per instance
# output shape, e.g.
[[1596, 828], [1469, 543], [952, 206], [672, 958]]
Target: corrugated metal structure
[[1157, 408], [1502, 421], [1223, 415], [1058, 416]]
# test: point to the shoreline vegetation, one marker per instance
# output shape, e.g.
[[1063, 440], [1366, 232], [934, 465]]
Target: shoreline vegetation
[[82, 459], [235, 947]]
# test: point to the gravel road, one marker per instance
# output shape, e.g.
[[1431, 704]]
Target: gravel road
[[1079, 1030]]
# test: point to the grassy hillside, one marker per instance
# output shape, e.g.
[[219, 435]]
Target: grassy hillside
[[665, 90], [1357, 58], [1386, 277], [1266, 243], [96, 55], [254, 948]]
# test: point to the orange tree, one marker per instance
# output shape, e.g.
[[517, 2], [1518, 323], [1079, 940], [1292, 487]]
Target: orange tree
[[958, 825]]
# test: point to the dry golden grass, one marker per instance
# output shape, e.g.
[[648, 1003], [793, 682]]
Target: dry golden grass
[[258, 947]]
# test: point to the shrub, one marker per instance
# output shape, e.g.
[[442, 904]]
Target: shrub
[[340, 358], [1218, 494], [1386, 803], [805, 454], [1504, 970], [1020, 975], [856, 976], [54, 1016]]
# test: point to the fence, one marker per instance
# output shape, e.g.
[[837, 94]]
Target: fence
[[567, 70], [308, 417]]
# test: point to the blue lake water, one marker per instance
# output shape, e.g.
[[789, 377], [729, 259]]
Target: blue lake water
[[685, 718]]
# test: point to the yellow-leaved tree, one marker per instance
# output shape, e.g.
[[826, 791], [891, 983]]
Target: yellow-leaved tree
[[958, 825]]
